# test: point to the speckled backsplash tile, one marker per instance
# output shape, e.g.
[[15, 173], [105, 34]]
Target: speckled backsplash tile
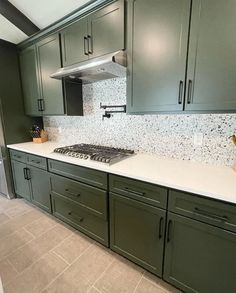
[[165, 135]]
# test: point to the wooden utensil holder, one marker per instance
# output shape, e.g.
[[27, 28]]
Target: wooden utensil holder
[[40, 139]]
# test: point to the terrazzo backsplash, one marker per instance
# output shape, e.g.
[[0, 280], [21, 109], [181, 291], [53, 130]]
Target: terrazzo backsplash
[[164, 135]]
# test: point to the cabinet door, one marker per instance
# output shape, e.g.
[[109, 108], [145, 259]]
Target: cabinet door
[[30, 81], [199, 257], [40, 182], [21, 184], [49, 60], [106, 30], [157, 50], [137, 232], [212, 56], [74, 44]]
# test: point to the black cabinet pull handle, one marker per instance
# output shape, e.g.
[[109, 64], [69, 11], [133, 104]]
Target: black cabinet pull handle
[[28, 174], [181, 87], [25, 173], [90, 44], [134, 192], [161, 222], [36, 162], [39, 105], [80, 219], [42, 104], [169, 230], [190, 89], [211, 215], [71, 193], [85, 46]]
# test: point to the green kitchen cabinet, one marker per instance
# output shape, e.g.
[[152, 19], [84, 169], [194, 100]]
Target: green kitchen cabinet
[[30, 81], [40, 183], [199, 257], [74, 42], [49, 60], [100, 33], [157, 52], [21, 181], [106, 30], [211, 82], [44, 95], [137, 232]]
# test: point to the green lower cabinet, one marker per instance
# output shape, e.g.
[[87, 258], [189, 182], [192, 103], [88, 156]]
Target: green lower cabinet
[[137, 232], [79, 217], [199, 257], [40, 182], [21, 184]]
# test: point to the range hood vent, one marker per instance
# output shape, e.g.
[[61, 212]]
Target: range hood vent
[[96, 69]]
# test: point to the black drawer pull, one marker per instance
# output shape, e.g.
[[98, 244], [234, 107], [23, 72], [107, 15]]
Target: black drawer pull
[[90, 44], [169, 230], [211, 215], [134, 192], [181, 86], [25, 173], [161, 222], [85, 46], [28, 174], [75, 216], [36, 162], [190, 91], [71, 193]]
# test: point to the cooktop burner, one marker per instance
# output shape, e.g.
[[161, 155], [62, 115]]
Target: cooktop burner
[[98, 153]]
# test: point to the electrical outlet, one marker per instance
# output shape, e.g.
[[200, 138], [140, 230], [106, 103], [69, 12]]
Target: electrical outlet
[[198, 139]]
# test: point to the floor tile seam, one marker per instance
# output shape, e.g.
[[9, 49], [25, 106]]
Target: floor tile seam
[[61, 257], [156, 284], [62, 272], [39, 235], [140, 280]]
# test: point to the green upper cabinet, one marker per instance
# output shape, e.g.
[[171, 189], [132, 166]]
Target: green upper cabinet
[[106, 30], [157, 51], [100, 33], [49, 60], [74, 43], [199, 257], [30, 81], [212, 56]]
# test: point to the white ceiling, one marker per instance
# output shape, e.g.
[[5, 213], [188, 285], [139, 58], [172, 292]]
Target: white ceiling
[[42, 13], [9, 32]]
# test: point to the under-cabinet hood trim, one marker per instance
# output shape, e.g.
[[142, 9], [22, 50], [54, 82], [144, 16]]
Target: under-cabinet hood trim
[[105, 67]]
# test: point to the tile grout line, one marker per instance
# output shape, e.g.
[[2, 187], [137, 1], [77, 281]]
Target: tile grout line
[[158, 285], [45, 288], [61, 257], [136, 287]]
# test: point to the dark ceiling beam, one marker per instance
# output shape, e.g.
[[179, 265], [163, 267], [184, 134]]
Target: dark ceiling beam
[[16, 17]]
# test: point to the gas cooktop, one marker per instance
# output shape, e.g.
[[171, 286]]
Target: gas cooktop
[[98, 153]]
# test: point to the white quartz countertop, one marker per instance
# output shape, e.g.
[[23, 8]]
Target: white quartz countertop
[[210, 181]]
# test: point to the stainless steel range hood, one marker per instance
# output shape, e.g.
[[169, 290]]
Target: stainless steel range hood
[[96, 69]]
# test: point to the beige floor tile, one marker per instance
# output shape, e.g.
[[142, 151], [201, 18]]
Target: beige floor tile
[[3, 218], [81, 275], [146, 286], [32, 251], [73, 246], [18, 210], [93, 290], [41, 226], [13, 241], [38, 276], [7, 272], [122, 276], [18, 222], [159, 282]]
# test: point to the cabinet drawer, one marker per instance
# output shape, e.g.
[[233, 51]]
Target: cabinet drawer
[[37, 161], [18, 156], [85, 175], [80, 218], [139, 190], [89, 197], [206, 210]]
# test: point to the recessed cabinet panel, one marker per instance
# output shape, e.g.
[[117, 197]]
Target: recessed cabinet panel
[[106, 30], [74, 43], [137, 232], [199, 257], [30, 81], [157, 52], [51, 89], [212, 56]]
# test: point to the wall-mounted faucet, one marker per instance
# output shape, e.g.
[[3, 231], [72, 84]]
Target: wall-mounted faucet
[[108, 113]]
